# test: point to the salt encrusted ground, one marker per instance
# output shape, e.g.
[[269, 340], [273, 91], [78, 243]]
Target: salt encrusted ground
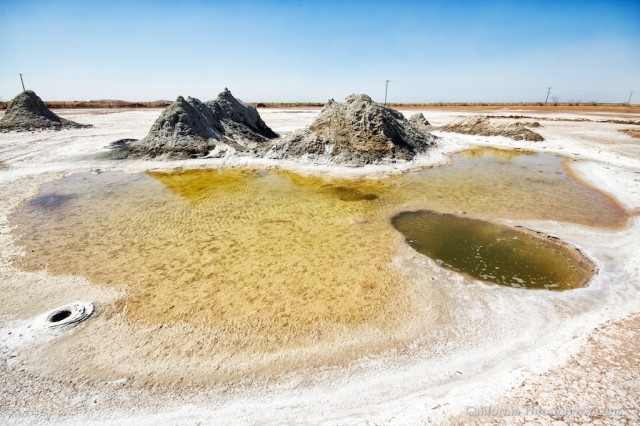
[[572, 350], [597, 385]]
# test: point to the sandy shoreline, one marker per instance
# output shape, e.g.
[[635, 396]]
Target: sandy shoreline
[[485, 362]]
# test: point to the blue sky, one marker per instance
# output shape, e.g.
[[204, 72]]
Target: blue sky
[[431, 51]]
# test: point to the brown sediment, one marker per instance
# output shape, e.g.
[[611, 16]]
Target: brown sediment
[[481, 125], [573, 120], [252, 252], [632, 132], [504, 154], [257, 264], [624, 213]]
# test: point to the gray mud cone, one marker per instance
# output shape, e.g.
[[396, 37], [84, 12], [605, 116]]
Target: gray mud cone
[[191, 128], [27, 112], [357, 131]]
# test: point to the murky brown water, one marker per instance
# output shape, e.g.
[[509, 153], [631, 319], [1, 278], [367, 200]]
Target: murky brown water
[[274, 253]]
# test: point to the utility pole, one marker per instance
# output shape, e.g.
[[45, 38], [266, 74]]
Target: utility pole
[[386, 87], [22, 81], [629, 101], [548, 91]]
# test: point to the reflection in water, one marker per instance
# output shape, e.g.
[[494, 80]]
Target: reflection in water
[[493, 253], [51, 201], [503, 154]]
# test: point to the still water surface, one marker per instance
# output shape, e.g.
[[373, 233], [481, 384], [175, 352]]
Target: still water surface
[[283, 254]]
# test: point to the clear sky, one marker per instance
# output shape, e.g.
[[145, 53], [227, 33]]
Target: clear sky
[[431, 51]]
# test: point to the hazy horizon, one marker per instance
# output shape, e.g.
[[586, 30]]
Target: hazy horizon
[[286, 51]]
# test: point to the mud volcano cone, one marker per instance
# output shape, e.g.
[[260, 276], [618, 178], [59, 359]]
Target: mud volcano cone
[[482, 126], [357, 131], [185, 128], [419, 121], [27, 112], [191, 128], [239, 119]]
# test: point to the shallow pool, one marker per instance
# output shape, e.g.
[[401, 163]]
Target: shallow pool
[[494, 253], [276, 254]]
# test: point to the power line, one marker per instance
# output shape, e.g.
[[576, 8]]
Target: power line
[[386, 87], [561, 89], [548, 91], [465, 88], [507, 89]]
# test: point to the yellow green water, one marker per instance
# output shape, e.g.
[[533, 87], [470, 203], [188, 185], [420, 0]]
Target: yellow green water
[[492, 252], [274, 253]]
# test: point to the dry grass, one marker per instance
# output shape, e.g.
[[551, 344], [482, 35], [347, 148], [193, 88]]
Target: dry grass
[[472, 107], [98, 104], [532, 107], [521, 117], [460, 106]]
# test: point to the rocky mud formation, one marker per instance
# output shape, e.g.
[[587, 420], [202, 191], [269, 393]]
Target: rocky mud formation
[[419, 121], [482, 126], [355, 132], [191, 128], [27, 112]]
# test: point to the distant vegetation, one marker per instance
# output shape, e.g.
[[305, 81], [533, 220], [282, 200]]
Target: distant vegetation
[[100, 104], [449, 104], [163, 104]]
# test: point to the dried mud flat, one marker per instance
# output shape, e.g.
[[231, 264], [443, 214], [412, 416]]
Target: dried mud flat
[[597, 385], [107, 370]]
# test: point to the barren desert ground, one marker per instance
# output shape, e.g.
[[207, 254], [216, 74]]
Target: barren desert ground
[[443, 348]]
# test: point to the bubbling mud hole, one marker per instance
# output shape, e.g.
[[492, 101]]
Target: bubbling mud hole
[[494, 253], [274, 258]]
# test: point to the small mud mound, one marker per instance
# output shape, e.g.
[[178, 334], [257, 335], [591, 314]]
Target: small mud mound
[[632, 132], [65, 317], [356, 132], [191, 128], [419, 121], [27, 112], [480, 125]]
